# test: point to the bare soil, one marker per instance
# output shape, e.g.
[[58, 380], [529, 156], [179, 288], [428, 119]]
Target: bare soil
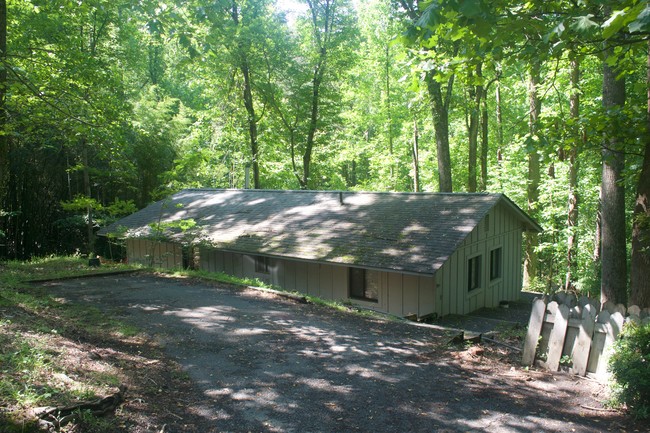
[[218, 358]]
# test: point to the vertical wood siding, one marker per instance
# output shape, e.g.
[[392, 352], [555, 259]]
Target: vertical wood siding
[[166, 255], [501, 231], [403, 294]]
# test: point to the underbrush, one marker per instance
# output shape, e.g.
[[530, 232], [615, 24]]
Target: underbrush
[[630, 367]]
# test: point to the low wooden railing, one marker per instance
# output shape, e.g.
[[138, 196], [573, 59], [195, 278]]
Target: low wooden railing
[[573, 334]]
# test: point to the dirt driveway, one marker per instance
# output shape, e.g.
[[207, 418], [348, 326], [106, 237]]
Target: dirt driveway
[[263, 363]]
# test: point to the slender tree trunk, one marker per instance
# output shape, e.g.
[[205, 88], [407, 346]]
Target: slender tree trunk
[[440, 111], [389, 114], [572, 213], [252, 123], [313, 125], [531, 239], [476, 94], [613, 243], [248, 101], [4, 144], [499, 128], [482, 186], [87, 191], [322, 39], [598, 230], [497, 94], [640, 262], [415, 153]]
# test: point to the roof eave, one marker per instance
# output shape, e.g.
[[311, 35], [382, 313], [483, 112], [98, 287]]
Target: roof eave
[[529, 223]]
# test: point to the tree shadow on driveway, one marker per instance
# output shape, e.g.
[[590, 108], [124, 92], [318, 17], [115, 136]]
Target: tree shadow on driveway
[[267, 364]]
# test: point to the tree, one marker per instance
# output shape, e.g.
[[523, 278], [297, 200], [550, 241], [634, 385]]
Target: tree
[[634, 16], [613, 243], [242, 49], [573, 199], [533, 177], [432, 49], [3, 94]]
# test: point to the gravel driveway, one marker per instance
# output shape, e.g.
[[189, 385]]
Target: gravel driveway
[[264, 363]]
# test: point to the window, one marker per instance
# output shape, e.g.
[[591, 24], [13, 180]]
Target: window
[[261, 265], [487, 223], [495, 264], [364, 284], [474, 273]]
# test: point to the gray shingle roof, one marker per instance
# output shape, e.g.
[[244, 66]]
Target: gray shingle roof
[[408, 232]]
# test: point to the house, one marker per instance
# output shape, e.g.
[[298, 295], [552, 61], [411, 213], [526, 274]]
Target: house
[[408, 254]]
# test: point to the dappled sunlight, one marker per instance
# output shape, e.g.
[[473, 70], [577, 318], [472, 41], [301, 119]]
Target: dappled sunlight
[[410, 232], [278, 366], [371, 372], [208, 319], [250, 331], [325, 385], [468, 227]]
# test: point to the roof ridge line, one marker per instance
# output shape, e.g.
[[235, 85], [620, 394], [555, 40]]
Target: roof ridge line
[[333, 191]]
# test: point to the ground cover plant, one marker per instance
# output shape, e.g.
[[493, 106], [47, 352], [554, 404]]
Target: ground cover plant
[[630, 366], [54, 354]]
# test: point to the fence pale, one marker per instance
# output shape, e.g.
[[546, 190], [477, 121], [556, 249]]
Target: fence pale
[[574, 327], [534, 330]]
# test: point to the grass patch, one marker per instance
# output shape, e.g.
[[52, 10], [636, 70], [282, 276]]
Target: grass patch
[[340, 305], [40, 341], [17, 273], [219, 277]]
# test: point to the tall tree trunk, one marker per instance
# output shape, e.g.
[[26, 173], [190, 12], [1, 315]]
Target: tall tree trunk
[[248, 101], [415, 153], [613, 243], [475, 96], [531, 239], [389, 114], [499, 115], [252, 123], [482, 185], [440, 111], [87, 191], [640, 261], [322, 36], [4, 147], [313, 123], [572, 213]]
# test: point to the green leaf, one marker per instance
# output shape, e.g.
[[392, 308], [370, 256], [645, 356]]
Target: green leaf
[[642, 21], [584, 24], [470, 8], [430, 16], [614, 24], [557, 31]]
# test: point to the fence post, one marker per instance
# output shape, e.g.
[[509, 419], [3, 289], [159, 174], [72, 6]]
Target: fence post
[[556, 340], [534, 329], [580, 353], [613, 327]]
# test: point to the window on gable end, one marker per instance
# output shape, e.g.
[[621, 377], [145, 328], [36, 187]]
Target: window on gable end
[[496, 264], [474, 273]]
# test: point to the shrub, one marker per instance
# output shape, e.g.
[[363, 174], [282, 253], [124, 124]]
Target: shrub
[[630, 367]]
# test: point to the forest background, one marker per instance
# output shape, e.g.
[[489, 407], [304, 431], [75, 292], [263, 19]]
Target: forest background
[[106, 106]]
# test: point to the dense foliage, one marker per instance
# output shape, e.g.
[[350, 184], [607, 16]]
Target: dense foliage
[[630, 367], [107, 105]]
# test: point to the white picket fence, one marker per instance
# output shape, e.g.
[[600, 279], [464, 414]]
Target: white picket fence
[[575, 335]]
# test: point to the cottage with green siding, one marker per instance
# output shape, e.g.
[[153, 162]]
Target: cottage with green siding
[[408, 254]]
